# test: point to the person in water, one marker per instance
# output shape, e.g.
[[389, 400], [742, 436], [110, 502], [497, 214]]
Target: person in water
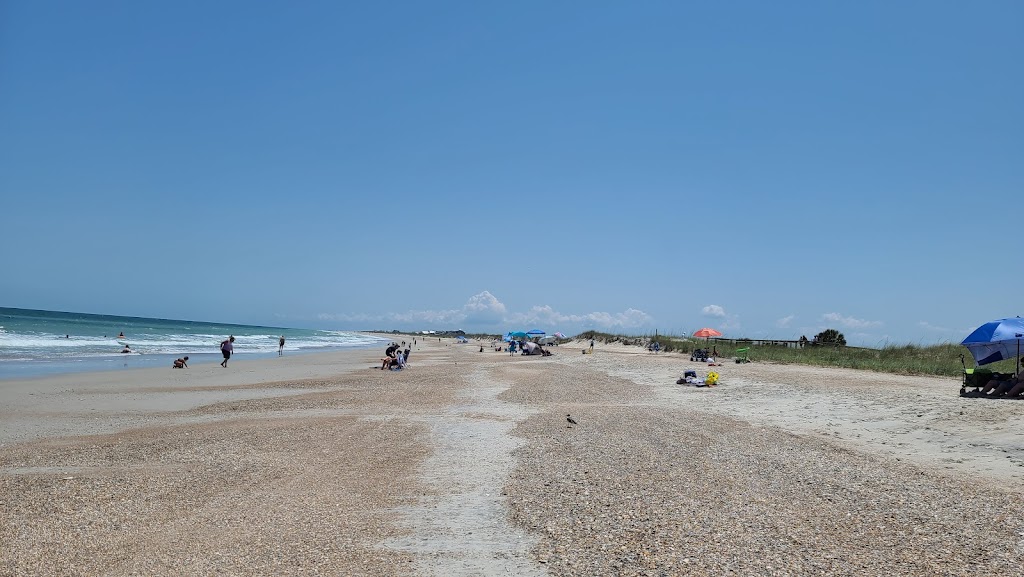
[[126, 349]]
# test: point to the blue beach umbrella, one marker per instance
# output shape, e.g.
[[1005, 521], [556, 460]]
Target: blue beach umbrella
[[536, 333], [519, 335], [996, 340]]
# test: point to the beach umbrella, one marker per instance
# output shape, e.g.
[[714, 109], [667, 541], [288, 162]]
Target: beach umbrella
[[519, 335], [560, 336], [996, 340], [705, 333], [536, 333]]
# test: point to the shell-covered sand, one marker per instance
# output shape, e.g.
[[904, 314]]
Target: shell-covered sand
[[464, 464]]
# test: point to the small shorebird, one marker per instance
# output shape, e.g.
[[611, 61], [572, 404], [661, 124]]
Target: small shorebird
[[570, 420]]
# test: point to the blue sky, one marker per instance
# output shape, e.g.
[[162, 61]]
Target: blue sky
[[768, 169]]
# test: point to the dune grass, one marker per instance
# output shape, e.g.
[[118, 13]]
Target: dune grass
[[938, 360]]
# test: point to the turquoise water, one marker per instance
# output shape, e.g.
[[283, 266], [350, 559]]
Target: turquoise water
[[36, 342]]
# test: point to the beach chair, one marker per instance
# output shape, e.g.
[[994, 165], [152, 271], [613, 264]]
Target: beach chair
[[742, 355]]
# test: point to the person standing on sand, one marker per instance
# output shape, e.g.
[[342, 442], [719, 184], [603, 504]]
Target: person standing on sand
[[226, 348], [280, 346], [591, 346]]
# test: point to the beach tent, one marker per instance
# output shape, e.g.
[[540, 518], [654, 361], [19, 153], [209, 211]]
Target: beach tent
[[996, 340], [531, 348], [460, 338]]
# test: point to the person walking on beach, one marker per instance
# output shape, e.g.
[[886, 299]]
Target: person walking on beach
[[226, 348], [280, 346], [591, 346]]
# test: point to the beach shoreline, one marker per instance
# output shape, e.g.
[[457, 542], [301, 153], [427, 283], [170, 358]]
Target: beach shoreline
[[463, 464], [36, 343]]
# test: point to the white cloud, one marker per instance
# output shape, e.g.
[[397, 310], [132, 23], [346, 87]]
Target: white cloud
[[452, 317], [484, 301], [937, 329], [409, 317], [547, 316], [784, 322], [713, 311], [849, 322], [483, 308], [483, 311]]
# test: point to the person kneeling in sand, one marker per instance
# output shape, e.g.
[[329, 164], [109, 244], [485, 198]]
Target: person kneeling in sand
[[389, 356], [396, 362], [181, 363]]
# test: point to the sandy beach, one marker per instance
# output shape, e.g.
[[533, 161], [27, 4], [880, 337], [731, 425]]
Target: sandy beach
[[463, 464]]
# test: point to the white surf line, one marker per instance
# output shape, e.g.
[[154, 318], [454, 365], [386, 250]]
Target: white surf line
[[464, 530]]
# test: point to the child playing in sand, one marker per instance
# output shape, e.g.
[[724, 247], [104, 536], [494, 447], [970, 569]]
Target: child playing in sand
[[180, 363]]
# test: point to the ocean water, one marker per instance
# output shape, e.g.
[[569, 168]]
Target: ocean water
[[36, 343]]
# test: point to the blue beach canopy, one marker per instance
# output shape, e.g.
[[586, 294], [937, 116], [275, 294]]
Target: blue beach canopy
[[996, 340]]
